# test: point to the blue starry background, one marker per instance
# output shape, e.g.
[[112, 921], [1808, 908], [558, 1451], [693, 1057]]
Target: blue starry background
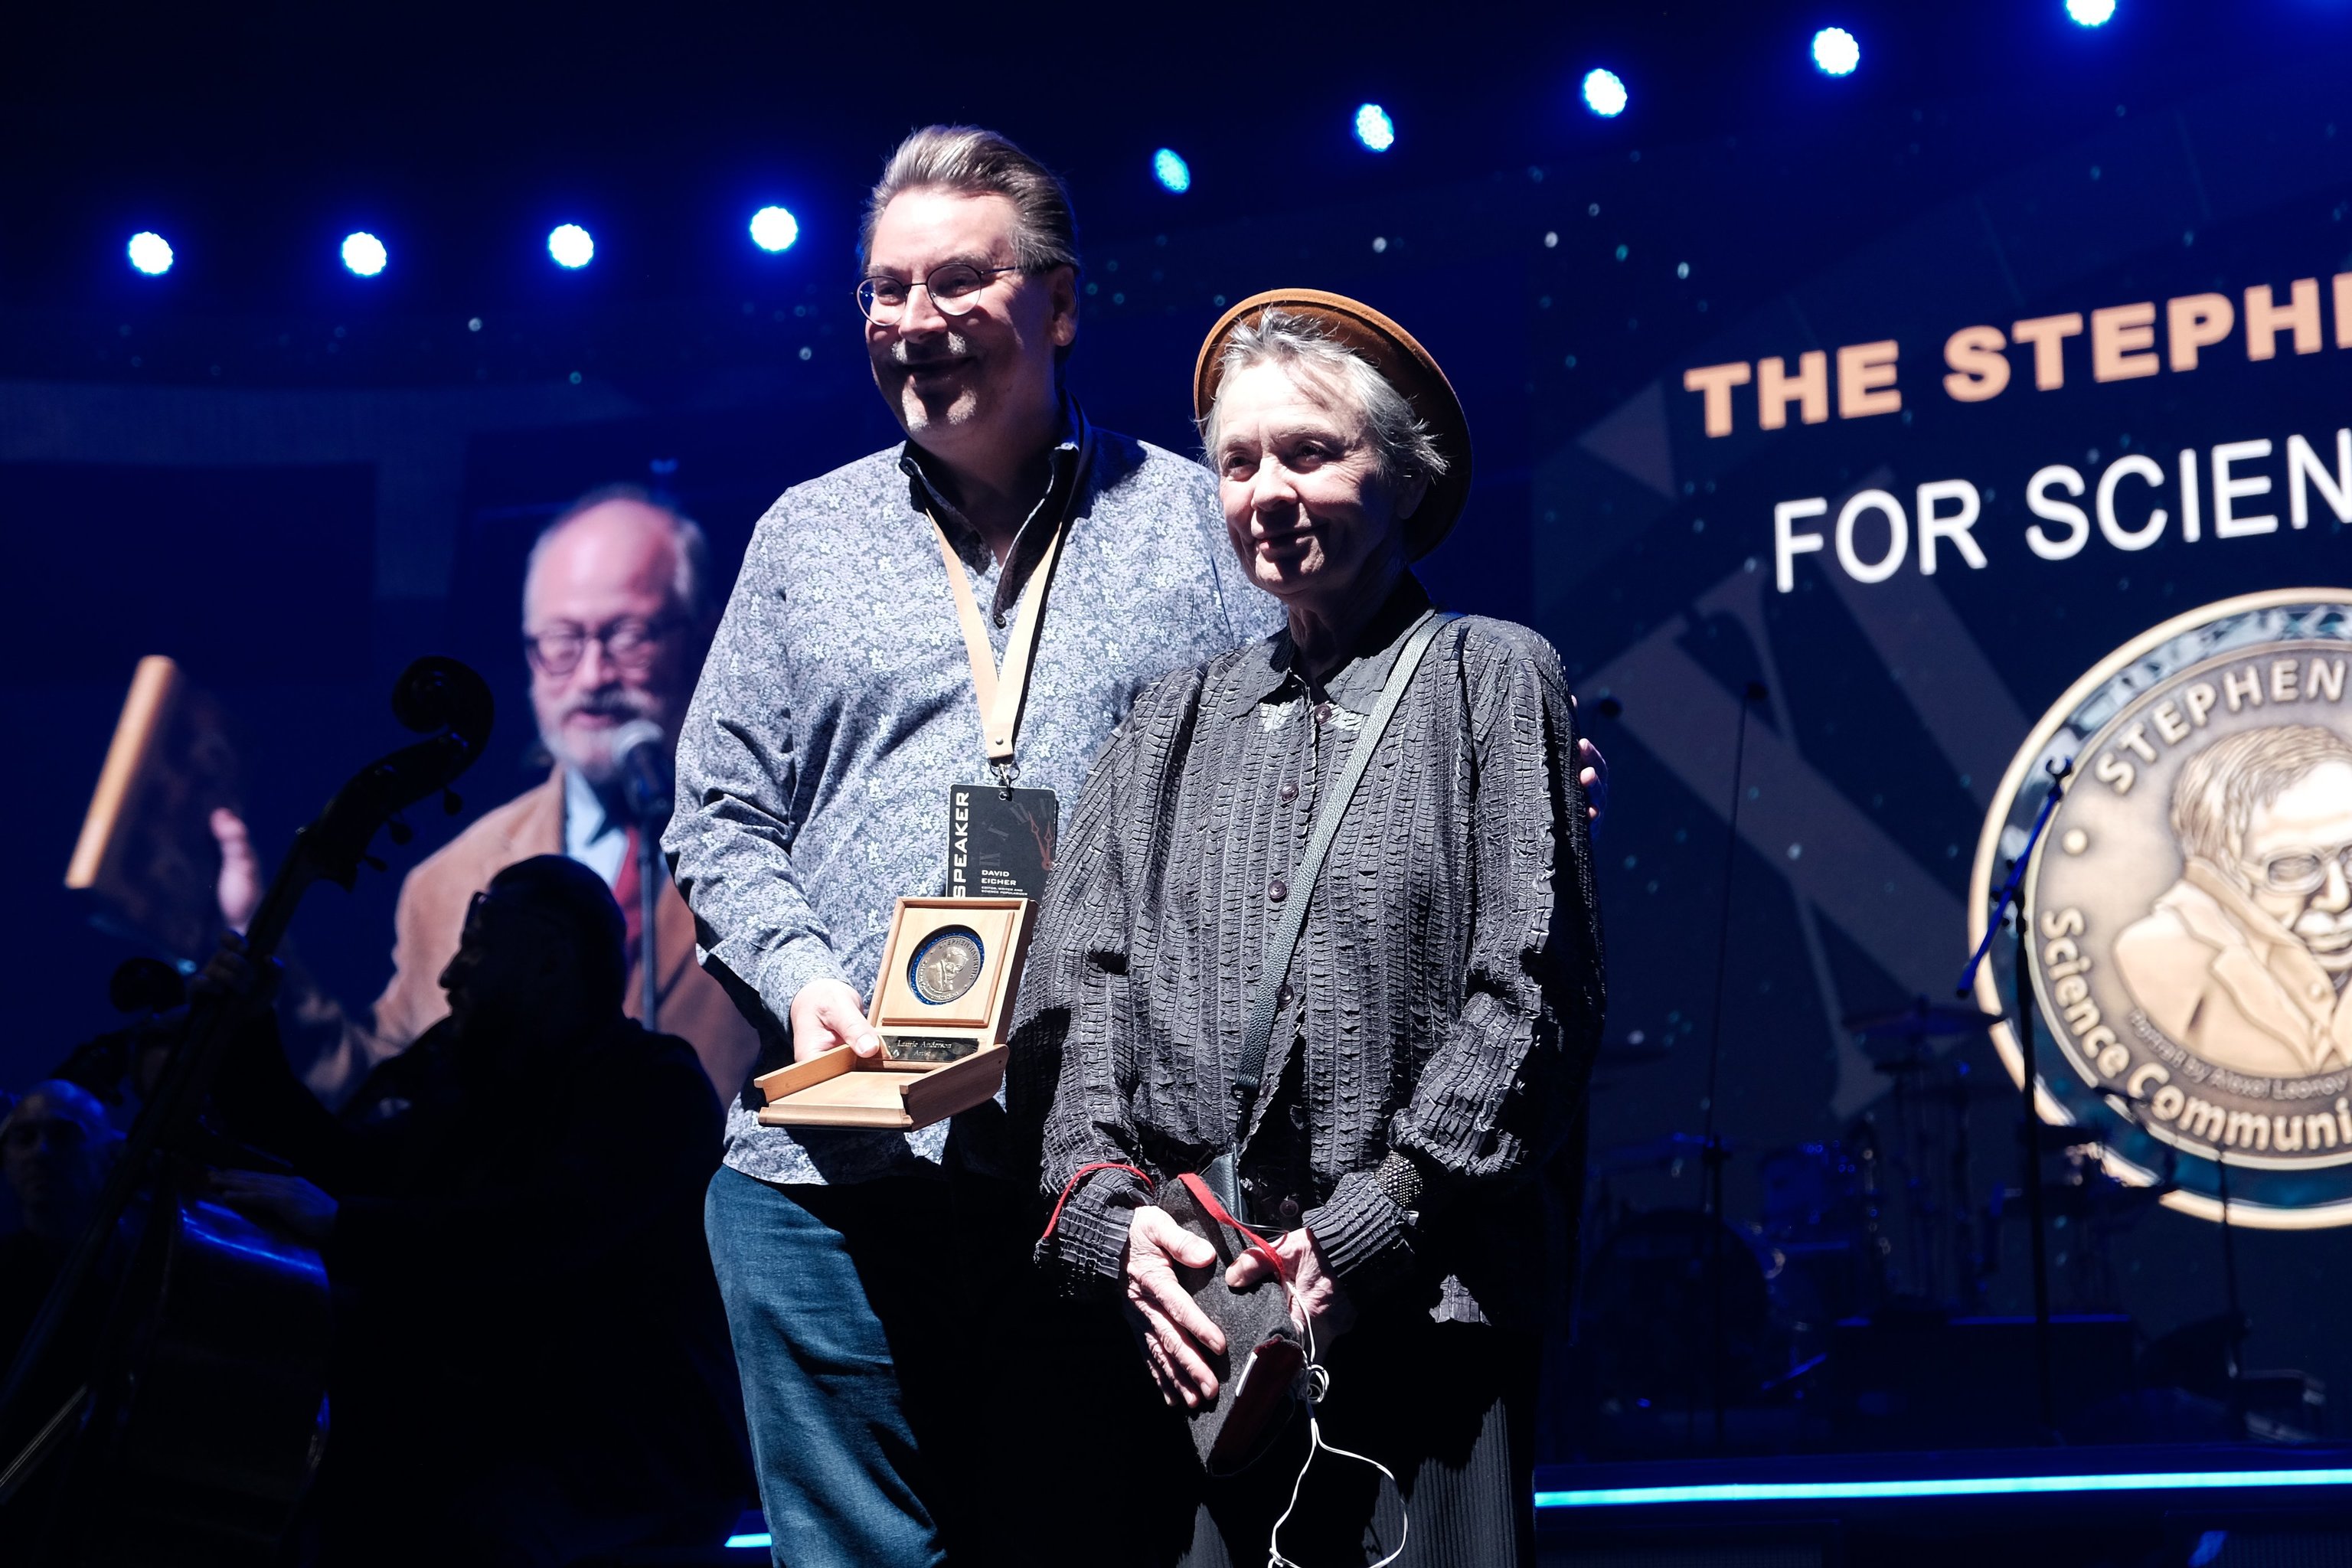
[[294, 479]]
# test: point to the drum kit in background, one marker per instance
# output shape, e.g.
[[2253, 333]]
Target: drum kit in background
[[1906, 1214]]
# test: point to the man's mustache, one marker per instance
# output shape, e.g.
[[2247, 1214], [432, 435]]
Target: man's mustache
[[908, 356], [610, 705]]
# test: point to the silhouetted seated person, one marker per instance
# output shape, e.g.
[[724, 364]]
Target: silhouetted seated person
[[530, 1365], [55, 1144]]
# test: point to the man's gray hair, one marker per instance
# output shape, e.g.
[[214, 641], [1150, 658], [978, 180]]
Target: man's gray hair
[[2215, 798], [691, 589], [1400, 440], [974, 162]]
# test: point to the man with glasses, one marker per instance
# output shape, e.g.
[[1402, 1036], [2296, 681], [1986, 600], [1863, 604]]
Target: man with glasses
[[617, 613], [879, 606], [2244, 959]]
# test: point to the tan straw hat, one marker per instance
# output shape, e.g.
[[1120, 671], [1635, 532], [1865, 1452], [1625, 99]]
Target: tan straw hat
[[1402, 362]]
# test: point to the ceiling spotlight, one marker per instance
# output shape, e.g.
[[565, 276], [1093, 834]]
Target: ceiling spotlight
[[364, 254], [772, 229], [2091, 13], [570, 246], [1168, 167], [1374, 129], [1605, 94], [1835, 51], [149, 253]]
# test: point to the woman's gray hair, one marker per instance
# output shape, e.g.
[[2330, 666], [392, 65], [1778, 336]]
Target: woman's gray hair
[[1399, 438], [974, 162]]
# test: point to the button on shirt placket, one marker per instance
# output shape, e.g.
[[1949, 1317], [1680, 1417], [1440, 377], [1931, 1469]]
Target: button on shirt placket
[[1312, 753], [980, 562]]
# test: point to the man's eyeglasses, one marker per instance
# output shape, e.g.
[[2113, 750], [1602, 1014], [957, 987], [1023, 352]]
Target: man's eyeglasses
[[2306, 871], [955, 291], [629, 642]]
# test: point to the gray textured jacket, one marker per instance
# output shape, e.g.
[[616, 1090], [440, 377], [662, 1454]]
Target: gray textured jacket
[[1445, 1001], [836, 711]]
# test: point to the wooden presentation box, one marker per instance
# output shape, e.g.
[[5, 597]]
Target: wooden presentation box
[[941, 1005]]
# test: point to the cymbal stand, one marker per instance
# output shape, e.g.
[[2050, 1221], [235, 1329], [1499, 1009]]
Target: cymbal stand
[[1876, 1246], [1919, 1217], [1712, 1154], [2012, 902], [1967, 1255]]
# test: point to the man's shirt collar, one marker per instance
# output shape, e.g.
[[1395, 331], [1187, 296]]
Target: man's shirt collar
[[588, 816], [1066, 464], [925, 482]]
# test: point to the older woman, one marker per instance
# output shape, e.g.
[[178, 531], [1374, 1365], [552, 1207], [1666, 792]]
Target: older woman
[[1433, 1020]]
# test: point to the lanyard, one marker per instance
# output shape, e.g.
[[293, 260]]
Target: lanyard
[[1001, 695]]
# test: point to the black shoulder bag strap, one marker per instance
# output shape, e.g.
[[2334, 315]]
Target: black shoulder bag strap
[[1282, 947]]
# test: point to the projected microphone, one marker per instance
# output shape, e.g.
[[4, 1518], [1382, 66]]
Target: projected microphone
[[645, 765]]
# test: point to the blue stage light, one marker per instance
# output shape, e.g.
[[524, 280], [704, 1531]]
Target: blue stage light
[[2091, 13], [772, 229], [1835, 51], [149, 253], [1168, 167], [1942, 1487], [570, 246], [1374, 129], [1605, 94], [364, 254]]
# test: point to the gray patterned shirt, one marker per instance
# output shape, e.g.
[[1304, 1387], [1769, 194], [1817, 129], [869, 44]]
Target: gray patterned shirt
[[836, 711]]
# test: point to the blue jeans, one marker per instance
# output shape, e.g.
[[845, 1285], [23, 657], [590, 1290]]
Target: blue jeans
[[844, 1306]]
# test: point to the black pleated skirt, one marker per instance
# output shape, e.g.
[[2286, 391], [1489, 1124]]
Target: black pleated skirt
[[1448, 1407]]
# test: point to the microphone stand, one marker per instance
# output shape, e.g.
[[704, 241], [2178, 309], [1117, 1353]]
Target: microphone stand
[[2012, 902], [650, 795], [1711, 1152], [649, 866]]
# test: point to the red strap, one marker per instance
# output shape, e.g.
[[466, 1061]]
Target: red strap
[[1192, 1183], [1080, 1175], [629, 891], [1216, 1211]]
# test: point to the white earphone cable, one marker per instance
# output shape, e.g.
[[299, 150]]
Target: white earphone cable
[[1318, 1384]]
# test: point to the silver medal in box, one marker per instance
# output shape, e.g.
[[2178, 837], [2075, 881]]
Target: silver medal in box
[[941, 1004]]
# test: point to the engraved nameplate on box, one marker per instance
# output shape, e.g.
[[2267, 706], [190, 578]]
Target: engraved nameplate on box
[[941, 1003]]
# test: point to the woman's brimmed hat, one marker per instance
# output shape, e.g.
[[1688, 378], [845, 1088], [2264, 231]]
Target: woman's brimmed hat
[[1403, 362]]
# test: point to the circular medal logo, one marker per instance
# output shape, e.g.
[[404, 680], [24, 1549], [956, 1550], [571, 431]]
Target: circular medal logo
[[2191, 908], [946, 966]]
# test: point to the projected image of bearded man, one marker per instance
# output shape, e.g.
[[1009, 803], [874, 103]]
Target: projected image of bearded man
[[2243, 961]]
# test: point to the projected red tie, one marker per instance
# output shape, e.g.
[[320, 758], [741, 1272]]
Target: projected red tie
[[629, 888]]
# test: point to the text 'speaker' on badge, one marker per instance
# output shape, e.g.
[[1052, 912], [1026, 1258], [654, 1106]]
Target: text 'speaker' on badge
[[1000, 841]]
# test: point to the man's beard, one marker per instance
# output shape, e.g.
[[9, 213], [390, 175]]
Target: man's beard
[[919, 414], [590, 753]]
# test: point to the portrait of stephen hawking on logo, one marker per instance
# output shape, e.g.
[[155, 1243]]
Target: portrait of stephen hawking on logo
[[2244, 960], [2191, 906]]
